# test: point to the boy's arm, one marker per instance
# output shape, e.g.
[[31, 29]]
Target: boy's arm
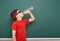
[[13, 35], [32, 18]]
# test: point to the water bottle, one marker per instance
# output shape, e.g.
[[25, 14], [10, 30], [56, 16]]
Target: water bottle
[[31, 8]]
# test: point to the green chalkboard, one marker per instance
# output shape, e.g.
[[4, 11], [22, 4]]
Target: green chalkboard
[[46, 12]]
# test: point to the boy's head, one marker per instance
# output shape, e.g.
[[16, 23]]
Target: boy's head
[[16, 14]]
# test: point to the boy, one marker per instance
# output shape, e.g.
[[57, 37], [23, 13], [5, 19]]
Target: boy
[[19, 24]]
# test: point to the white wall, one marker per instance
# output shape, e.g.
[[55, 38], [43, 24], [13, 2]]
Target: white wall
[[33, 39]]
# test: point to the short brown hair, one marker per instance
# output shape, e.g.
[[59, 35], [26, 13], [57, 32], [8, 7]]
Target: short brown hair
[[13, 14]]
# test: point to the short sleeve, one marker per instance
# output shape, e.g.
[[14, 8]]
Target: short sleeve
[[14, 26], [27, 21]]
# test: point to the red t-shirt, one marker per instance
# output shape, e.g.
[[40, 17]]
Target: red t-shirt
[[20, 27]]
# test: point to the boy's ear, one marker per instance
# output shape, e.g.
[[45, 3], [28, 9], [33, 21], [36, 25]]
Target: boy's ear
[[16, 15]]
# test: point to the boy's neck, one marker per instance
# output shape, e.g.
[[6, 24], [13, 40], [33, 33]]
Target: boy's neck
[[19, 19]]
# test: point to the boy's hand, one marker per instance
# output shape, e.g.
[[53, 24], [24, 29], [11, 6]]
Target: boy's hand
[[26, 11]]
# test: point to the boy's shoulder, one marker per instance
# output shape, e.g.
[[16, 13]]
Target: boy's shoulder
[[25, 19]]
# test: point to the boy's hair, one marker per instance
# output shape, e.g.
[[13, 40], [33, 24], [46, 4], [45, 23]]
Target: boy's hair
[[13, 14]]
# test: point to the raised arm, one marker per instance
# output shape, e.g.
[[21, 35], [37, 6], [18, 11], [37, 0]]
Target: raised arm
[[32, 18]]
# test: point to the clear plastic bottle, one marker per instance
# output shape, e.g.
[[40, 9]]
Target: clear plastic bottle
[[31, 8]]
